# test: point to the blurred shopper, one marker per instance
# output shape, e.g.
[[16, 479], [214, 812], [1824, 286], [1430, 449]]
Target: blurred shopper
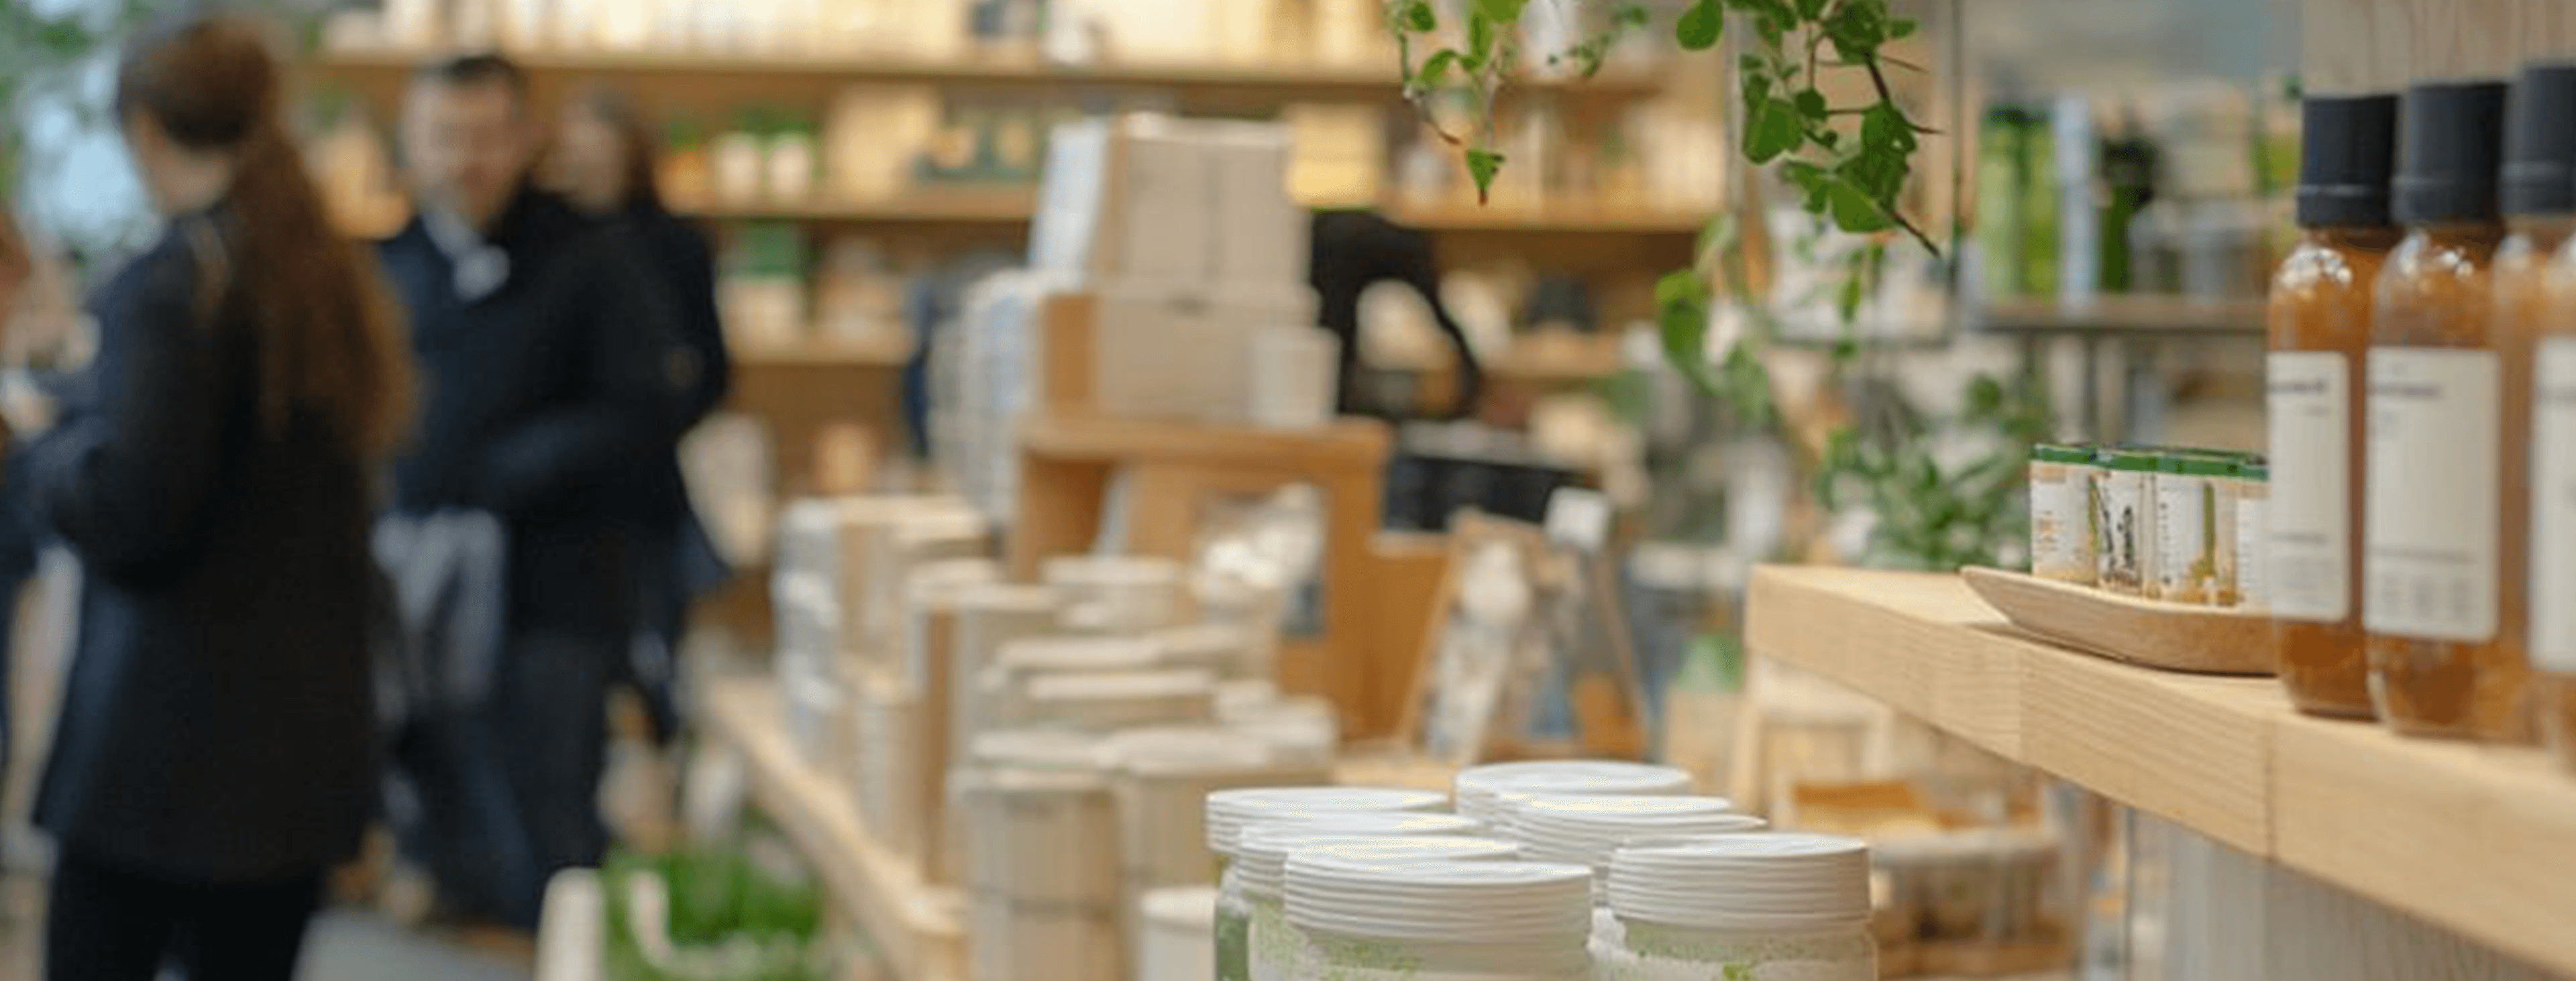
[[556, 388], [604, 163], [1354, 250], [211, 470]]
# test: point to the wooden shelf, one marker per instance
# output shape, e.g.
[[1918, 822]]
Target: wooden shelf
[[1342, 446], [920, 930], [2475, 839], [1015, 207], [823, 354], [2142, 316], [715, 79]]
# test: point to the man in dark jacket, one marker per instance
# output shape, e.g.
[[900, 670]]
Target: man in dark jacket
[[555, 385]]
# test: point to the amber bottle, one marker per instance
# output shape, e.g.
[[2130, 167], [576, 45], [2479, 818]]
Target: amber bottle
[[2537, 323], [2319, 336], [2432, 519]]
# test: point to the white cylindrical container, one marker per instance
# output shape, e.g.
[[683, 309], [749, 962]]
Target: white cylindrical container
[[1118, 594], [1218, 649], [1761, 907], [1386, 919], [1231, 811], [1253, 899], [1164, 777], [1481, 790], [1111, 701], [1180, 935], [1587, 831], [1009, 940]]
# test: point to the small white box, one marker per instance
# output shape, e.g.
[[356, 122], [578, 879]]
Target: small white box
[[1124, 198], [1296, 377], [1182, 353], [1261, 235]]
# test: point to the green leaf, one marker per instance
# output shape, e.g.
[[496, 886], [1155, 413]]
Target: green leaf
[[1847, 300], [1480, 41], [1900, 29], [1884, 127], [1482, 165], [1420, 19], [1811, 104], [1435, 69], [1812, 9], [1774, 130], [1681, 320], [1502, 11], [1772, 29], [1630, 14], [1854, 211], [1985, 396], [1701, 26]]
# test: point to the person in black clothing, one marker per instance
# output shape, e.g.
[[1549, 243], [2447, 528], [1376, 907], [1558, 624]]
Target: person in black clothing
[[556, 391], [211, 468], [1354, 250], [604, 163]]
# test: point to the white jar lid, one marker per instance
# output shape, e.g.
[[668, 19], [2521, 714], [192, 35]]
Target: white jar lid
[[1388, 898], [1230, 811], [1265, 851], [1187, 907], [1744, 882], [1479, 788], [1589, 829]]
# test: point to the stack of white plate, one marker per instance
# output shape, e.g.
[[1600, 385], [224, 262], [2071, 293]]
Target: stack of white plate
[[1747, 882], [1589, 830], [1229, 812], [1485, 792]]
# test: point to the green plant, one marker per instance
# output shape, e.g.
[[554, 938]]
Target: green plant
[[1848, 165]]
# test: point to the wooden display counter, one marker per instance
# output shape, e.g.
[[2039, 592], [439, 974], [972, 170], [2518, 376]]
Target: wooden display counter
[[2474, 839], [920, 930]]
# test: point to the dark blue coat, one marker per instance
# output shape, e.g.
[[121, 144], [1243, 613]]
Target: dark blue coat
[[217, 725], [554, 403], [685, 267]]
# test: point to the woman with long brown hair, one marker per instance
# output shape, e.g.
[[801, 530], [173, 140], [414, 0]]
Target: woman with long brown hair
[[212, 469]]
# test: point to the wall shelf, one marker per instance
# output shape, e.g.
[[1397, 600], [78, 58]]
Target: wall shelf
[[2475, 839], [920, 930], [1015, 208], [656, 78]]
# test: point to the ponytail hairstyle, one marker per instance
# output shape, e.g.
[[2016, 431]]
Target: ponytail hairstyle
[[329, 344]]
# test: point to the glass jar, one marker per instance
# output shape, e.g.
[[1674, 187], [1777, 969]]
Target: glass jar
[[2439, 663], [2535, 280], [2125, 517], [1757, 907], [2061, 514]]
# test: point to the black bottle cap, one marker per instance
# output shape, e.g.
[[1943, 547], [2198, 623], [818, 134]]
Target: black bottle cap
[[2540, 142], [2350, 154], [2451, 152]]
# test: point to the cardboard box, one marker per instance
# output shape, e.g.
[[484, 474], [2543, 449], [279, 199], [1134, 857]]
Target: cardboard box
[[1125, 197]]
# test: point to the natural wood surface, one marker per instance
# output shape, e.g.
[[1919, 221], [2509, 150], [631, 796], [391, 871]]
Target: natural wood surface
[[2141, 315], [2381, 45], [2159, 635], [2473, 839], [1347, 445], [704, 80], [920, 929]]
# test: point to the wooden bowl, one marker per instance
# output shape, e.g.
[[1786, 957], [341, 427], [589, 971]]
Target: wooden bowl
[[2172, 636]]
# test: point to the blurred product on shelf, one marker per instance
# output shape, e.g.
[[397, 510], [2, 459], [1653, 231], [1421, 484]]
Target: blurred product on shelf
[[2062, 528], [2440, 661], [2320, 326]]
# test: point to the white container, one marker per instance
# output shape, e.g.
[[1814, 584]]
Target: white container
[[1179, 941], [1163, 779], [1253, 903], [2061, 514], [1219, 649], [1117, 594], [1481, 789], [1012, 941], [1231, 811], [1372, 919], [1106, 702], [1761, 907], [1589, 830]]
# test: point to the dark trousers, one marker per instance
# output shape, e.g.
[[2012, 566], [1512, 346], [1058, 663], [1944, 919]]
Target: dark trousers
[[505, 797], [109, 924]]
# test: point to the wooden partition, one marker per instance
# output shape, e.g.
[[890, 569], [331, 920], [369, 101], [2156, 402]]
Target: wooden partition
[[2382, 45]]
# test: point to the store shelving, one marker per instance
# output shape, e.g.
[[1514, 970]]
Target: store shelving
[[1015, 208], [890, 353], [920, 930], [2129, 315], [667, 78], [2471, 838]]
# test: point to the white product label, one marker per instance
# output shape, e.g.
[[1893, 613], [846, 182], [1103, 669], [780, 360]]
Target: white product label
[[2435, 473], [2253, 571], [2061, 522], [2553, 509], [2186, 553], [2308, 554]]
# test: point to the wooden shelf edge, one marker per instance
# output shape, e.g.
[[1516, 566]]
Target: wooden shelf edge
[[920, 929], [1347, 444], [2473, 839]]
